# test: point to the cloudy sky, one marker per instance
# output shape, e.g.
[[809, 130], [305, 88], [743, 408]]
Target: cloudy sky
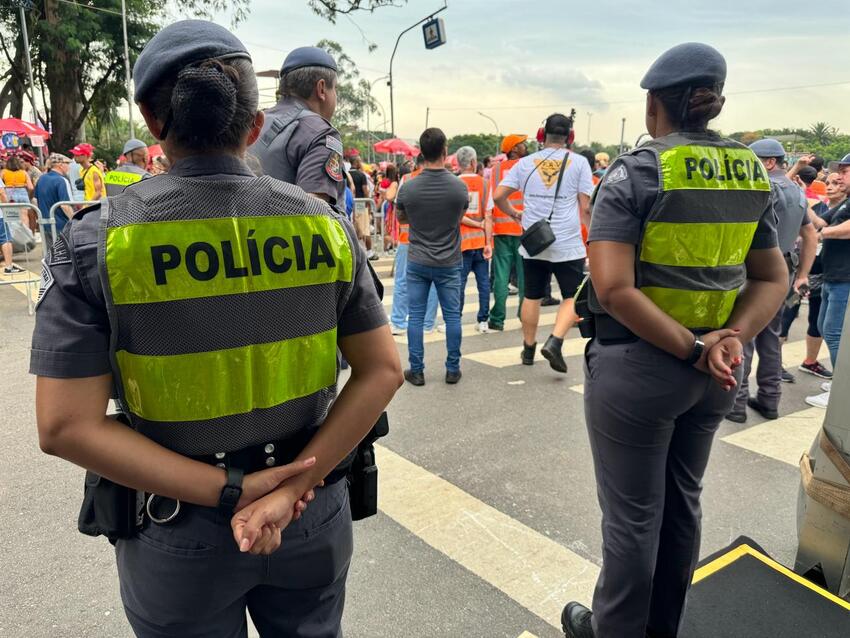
[[519, 60]]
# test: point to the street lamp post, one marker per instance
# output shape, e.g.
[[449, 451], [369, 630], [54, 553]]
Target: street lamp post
[[392, 57], [589, 119], [25, 4], [369, 111], [498, 132]]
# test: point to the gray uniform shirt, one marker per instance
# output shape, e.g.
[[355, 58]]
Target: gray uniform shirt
[[71, 337], [433, 204], [789, 202], [627, 194], [315, 152]]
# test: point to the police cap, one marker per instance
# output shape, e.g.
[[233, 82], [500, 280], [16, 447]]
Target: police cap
[[844, 161], [133, 145], [767, 148], [691, 63], [307, 56], [177, 46]]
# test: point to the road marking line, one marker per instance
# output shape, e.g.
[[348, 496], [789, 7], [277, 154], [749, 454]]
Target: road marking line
[[22, 287], [506, 357], [470, 290], [784, 439], [527, 634], [578, 389], [535, 571]]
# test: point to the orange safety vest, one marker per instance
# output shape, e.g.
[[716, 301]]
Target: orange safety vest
[[472, 238], [504, 224], [404, 229]]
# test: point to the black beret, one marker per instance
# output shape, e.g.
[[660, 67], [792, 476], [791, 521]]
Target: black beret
[[691, 63], [178, 45], [308, 56]]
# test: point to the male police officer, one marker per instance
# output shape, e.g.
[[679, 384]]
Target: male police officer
[[789, 202], [134, 168], [298, 144]]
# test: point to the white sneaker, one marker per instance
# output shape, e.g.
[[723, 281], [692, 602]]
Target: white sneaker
[[512, 290], [428, 332], [398, 331], [826, 386], [483, 328], [441, 328], [819, 400]]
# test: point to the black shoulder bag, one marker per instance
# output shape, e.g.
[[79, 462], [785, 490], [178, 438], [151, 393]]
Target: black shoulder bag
[[539, 236]]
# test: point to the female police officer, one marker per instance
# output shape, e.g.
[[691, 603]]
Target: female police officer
[[685, 269], [212, 302]]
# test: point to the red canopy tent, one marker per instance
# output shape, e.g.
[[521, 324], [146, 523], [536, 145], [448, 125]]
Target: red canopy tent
[[21, 128], [396, 146]]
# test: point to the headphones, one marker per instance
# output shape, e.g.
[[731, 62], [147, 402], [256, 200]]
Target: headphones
[[571, 134]]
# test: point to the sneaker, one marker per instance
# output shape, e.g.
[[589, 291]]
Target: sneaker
[[819, 400], [816, 369], [398, 331], [495, 326], [550, 301], [453, 377], [576, 621], [374, 257], [512, 290], [826, 387], [441, 328], [14, 269], [787, 377], [483, 327], [414, 378]]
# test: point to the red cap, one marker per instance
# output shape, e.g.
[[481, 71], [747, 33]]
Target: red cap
[[82, 149]]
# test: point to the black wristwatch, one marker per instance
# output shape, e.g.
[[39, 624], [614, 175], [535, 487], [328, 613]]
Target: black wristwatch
[[232, 491], [696, 353]]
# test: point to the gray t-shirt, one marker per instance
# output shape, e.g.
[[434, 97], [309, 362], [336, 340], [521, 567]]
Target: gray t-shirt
[[627, 194], [789, 202], [433, 204], [72, 331]]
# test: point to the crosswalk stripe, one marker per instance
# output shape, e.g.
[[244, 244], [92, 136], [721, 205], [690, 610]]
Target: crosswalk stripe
[[784, 439], [506, 357], [579, 389], [471, 292], [535, 571], [469, 329], [23, 288]]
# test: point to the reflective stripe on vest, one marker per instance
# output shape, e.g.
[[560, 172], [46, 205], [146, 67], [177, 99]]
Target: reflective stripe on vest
[[504, 224], [473, 238], [696, 238], [117, 180], [224, 326]]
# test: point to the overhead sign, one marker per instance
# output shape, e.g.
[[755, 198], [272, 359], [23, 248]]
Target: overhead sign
[[11, 140], [434, 32]]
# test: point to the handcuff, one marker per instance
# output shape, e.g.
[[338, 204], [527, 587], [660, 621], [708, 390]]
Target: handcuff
[[230, 495]]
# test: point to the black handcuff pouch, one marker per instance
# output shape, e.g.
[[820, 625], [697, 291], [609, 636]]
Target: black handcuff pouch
[[363, 476]]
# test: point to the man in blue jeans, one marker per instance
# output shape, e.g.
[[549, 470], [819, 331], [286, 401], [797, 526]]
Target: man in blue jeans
[[433, 205], [401, 307]]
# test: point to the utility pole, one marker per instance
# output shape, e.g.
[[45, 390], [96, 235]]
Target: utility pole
[[622, 137], [27, 4], [427, 115], [369, 111], [127, 68], [392, 57], [498, 132], [589, 118]]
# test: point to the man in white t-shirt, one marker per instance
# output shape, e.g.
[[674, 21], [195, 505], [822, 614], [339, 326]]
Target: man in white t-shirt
[[536, 176]]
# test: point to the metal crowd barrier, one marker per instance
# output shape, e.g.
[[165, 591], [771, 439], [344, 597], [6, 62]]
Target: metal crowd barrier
[[376, 217], [13, 212], [51, 220]]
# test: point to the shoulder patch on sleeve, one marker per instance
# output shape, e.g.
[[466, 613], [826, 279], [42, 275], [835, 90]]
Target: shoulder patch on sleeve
[[333, 167], [59, 252], [333, 143], [619, 174], [45, 284]]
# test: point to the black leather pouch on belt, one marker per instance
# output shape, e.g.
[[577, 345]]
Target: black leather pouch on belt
[[108, 509], [600, 325], [363, 479]]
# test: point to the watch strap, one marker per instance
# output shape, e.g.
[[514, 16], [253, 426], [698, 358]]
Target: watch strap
[[696, 353], [232, 490]]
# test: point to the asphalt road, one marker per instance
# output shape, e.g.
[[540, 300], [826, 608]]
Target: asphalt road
[[489, 518]]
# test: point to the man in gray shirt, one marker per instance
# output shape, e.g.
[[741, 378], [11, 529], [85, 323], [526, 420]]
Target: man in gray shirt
[[433, 204]]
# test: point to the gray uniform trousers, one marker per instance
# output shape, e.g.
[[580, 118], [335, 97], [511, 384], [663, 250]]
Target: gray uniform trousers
[[769, 371], [651, 419], [189, 579]]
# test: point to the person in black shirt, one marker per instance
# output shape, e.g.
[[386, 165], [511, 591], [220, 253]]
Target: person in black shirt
[[361, 183]]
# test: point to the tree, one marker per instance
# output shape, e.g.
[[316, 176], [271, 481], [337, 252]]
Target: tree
[[484, 143], [352, 92], [78, 55], [822, 133], [330, 9]]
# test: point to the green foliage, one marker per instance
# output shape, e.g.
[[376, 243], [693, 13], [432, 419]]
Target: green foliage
[[352, 92], [484, 143], [820, 138], [108, 138], [331, 9]]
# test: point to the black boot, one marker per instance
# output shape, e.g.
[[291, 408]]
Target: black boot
[[575, 621], [414, 378], [528, 353], [551, 351]]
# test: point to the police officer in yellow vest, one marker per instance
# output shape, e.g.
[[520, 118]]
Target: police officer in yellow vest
[[134, 168], [685, 269], [211, 303]]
